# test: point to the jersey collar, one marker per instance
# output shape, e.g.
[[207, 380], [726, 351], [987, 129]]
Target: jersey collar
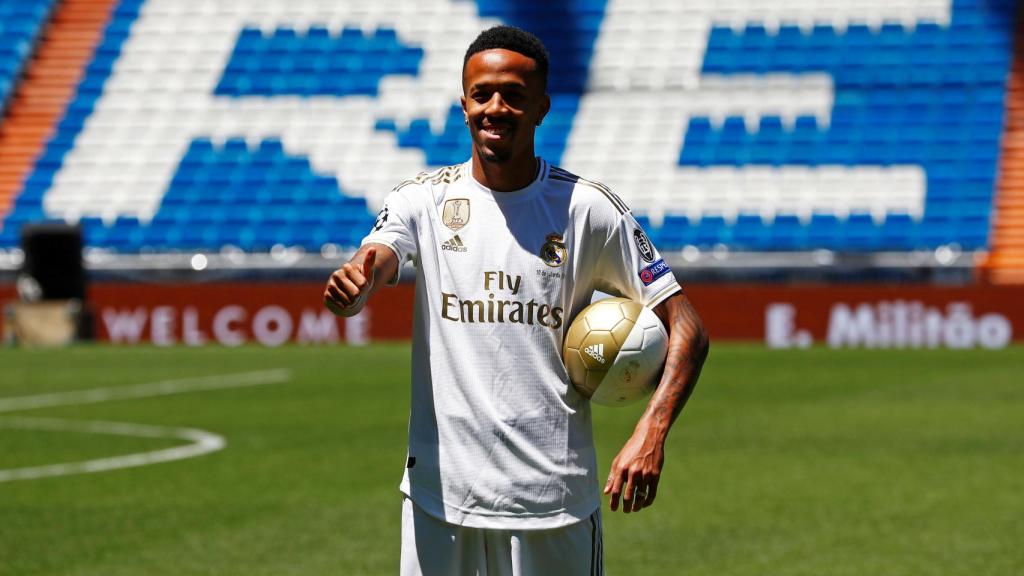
[[514, 195]]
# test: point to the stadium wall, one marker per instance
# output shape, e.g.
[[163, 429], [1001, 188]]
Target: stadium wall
[[780, 316]]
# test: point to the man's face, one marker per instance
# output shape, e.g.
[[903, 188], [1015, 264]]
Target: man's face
[[504, 102]]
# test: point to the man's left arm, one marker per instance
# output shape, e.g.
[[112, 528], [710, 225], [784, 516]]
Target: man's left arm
[[636, 470]]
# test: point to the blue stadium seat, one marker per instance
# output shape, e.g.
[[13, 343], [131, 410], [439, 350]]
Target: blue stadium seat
[[711, 230], [124, 235], [674, 233], [860, 233], [938, 228], [770, 125], [823, 231], [734, 130], [416, 135], [749, 232], [787, 232], [93, 231]]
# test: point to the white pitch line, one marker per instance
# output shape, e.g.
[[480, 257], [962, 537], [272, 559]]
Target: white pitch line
[[200, 441], [161, 388]]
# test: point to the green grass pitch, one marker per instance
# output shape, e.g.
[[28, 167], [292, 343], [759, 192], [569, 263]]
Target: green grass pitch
[[814, 462]]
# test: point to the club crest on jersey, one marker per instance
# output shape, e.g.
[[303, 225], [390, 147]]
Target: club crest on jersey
[[553, 250], [643, 244], [456, 213]]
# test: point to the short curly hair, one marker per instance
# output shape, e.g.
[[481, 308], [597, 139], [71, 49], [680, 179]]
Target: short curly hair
[[515, 40]]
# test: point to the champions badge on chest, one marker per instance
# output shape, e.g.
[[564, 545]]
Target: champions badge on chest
[[456, 213]]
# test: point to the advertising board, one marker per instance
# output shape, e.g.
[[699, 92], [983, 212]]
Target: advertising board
[[780, 316]]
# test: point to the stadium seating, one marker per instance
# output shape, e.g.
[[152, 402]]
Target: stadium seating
[[315, 62], [899, 101], [20, 23], [755, 125]]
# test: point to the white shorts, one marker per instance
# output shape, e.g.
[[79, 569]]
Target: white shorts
[[433, 547]]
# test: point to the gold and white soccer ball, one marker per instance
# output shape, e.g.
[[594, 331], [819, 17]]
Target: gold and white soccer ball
[[615, 351]]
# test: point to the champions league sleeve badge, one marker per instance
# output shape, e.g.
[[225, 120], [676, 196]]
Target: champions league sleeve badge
[[456, 213], [654, 271], [553, 250], [382, 218]]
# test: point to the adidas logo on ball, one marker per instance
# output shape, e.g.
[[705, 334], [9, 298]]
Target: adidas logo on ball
[[614, 351], [596, 352]]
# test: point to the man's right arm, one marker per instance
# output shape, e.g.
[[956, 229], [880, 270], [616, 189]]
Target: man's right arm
[[350, 286]]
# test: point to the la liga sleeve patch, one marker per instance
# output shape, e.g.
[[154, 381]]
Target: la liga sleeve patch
[[654, 271]]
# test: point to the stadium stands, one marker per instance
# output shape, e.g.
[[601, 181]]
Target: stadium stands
[[928, 96], [20, 24], [43, 93], [315, 62], [758, 126]]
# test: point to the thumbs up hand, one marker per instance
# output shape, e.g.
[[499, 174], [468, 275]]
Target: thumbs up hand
[[350, 285]]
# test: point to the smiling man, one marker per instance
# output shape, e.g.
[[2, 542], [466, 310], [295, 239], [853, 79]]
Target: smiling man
[[501, 476]]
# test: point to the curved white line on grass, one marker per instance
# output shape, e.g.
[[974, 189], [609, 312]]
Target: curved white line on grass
[[200, 442], [161, 388]]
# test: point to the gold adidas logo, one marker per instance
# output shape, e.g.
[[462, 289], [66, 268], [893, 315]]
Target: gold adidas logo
[[454, 245]]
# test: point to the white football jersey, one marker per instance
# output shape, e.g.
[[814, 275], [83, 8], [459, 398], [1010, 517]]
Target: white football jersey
[[498, 437]]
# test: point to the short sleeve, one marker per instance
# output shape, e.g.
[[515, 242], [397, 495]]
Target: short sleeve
[[630, 266], [395, 228]]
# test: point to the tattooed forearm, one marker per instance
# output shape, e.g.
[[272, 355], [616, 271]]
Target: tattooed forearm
[[687, 349], [636, 471]]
